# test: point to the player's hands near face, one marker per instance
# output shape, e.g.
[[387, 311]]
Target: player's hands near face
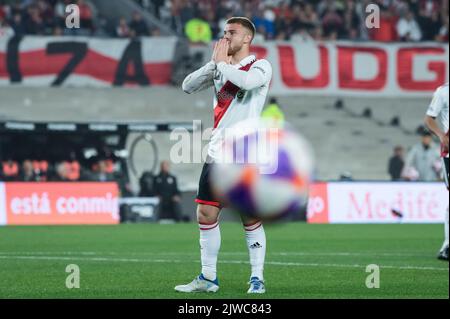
[[221, 51], [214, 55]]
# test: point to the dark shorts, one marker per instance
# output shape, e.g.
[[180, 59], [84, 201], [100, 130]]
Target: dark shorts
[[446, 170], [205, 194]]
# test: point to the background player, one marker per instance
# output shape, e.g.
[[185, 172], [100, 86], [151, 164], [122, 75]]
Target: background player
[[436, 119], [241, 85]]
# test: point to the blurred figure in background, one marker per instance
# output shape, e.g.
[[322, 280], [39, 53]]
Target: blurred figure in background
[[423, 158], [103, 174], [397, 163], [138, 26], [27, 173], [123, 30], [146, 185], [61, 173], [274, 113], [10, 170], [408, 29], [166, 188]]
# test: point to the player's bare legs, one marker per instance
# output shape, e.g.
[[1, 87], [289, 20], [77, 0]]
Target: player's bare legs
[[210, 240], [256, 243]]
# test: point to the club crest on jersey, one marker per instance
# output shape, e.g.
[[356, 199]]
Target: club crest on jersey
[[240, 95]]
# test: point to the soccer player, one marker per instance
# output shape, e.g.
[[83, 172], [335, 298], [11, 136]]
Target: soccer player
[[436, 120], [240, 84]]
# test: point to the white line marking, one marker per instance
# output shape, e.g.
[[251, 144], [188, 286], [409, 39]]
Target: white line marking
[[274, 263], [286, 253]]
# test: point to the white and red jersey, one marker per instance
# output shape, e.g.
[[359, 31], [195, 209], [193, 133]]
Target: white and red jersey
[[240, 93], [439, 109]]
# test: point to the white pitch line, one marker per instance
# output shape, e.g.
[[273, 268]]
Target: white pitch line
[[274, 263], [286, 253]]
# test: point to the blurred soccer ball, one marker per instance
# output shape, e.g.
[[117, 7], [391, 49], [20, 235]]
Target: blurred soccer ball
[[264, 172]]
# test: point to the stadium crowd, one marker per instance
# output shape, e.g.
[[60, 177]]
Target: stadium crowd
[[44, 17], [400, 20], [70, 170]]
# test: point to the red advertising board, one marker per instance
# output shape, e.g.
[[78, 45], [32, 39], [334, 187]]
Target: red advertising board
[[59, 203]]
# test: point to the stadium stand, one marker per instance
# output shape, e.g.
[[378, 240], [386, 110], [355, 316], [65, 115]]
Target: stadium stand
[[320, 20], [359, 128], [274, 19], [338, 135]]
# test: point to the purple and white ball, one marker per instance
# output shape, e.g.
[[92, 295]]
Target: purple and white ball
[[263, 172]]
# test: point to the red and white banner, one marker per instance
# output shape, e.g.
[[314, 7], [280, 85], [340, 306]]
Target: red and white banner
[[58, 203], [299, 67], [355, 202], [79, 61], [356, 69]]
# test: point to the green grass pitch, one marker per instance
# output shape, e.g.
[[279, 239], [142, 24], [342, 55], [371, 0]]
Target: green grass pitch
[[148, 260]]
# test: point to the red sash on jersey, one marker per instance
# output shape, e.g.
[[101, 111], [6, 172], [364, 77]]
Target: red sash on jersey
[[226, 95], [444, 150]]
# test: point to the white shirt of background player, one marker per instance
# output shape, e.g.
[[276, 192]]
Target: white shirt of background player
[[437, 118]]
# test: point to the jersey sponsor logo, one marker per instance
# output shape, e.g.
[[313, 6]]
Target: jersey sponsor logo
[[226, 96]]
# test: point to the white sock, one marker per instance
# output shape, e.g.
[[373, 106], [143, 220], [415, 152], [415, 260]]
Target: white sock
[[210, 240], [446, 232], [256, 243]]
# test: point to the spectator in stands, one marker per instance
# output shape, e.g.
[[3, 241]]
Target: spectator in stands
[[5, 28], [34, 24], [10, 169], [310, 18], [166, 188], [18, 25], [332, 23], [387, 32], [265, 22], [27, 173], [2, 13], [123, 30], [60, 12], [185, 12], [273, 113], [138, 26], [198, 30], [86, 16], [72, 168], [424, 158], [351, 21], [61, 173], [58, 31], [407, 27], [156, 32], [396, 163], [103, 174], [430, 25], [157, 4], [146, 185], [443, 32]]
